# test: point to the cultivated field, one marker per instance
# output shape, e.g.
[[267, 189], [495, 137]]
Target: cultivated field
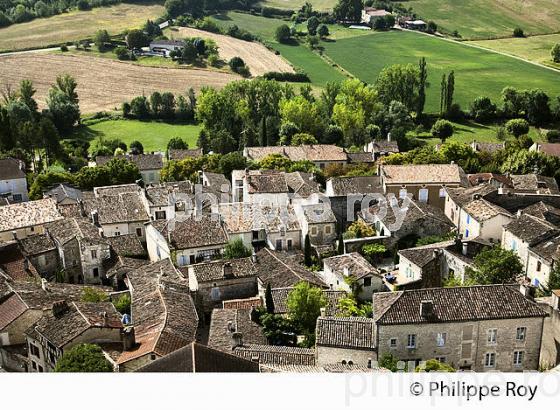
[[301, 57], [76, 25], [154, 135], [477, 72], [482, 19], [102, 83], [296, 4], [535, 48], [259, 59]]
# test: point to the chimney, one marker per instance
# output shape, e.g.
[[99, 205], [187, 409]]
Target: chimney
[[227, 270], [14, 235], [323, 312], [44, 285], [95, 217], [230, 326], [519, 212], [426, 309], [128, 338], [254, 257], [389, 136], [465, 248], [104, 318], [369, 363], [346, 271], [58, 308], [501, 191], [26, 265], [200, 178], [528, 291], [236, 340]]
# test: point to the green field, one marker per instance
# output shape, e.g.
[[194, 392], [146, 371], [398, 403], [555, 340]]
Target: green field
[[469, 131], [490, 18], [76, 25], [535, 48], [477, 72], [153, 135], [300, 56]]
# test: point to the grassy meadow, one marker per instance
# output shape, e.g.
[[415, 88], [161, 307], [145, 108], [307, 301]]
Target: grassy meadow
[[153, 135], [76, 25]]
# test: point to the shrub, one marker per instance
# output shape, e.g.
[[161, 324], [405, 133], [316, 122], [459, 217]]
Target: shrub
[[236, 249], [236, 63], [482, 109], [214, 60], [122, 304], [83, 358], [283, 34], [83, 5], [517, 127], [64, 48], [518, 32], [122, 53], [553, 136], [555, 53], [442, 129], [289, 77]]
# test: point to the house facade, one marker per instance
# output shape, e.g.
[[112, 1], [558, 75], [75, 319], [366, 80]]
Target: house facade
[[13, 183]]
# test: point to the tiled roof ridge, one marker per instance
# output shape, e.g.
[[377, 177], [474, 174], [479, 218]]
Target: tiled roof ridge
[[289, 267], [80, 312]]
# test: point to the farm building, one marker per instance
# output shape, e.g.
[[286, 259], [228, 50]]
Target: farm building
[[370, 14], [415, 25], [165, 47]]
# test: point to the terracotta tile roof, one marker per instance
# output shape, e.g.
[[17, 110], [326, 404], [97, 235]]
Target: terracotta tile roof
[[37, 244], [424, 174], [343, 186], [181, 154], [15, 265], [283, 269], [487, 146], [243, 217], [127, 246], [63, 191], [284, 355], [119, 208], [318, 213], [114, 190], [356, 265], [346, 332], [302, 183], [269, 183], [472, 303], [552, 149], [247, 303], [486, 177], [11, 168], [384, 146], [194, 232], [531, 229], [214, 270], [483, 210], [10, 309], [196, 358], [533, 182], [225, 322], [25, 214], [544, 211], [416, 212], [463, 196], [422, 255], [548, 249], [299, 153]]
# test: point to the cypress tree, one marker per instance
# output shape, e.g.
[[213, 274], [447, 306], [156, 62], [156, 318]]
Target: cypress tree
[[450, 89], [423, 77], [340, 245], [268, 299], [307, 251], [443, 95]]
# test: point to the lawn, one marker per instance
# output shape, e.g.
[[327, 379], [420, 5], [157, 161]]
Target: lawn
[[483, 19], [534, 48], [76, 25], [153, 135], [477, 72], [300, 56], [296, 4], [469, 131]]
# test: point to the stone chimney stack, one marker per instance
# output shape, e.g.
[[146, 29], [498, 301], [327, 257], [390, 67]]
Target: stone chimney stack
[[236, 340], [128, 338], [427, 309], [227, 270]]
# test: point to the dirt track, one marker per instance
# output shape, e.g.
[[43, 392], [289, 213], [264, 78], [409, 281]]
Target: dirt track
[[259, 59], [103, 84]]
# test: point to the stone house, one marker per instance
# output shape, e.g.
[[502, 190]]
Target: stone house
[[64, 195], [232, 328], [213, 282], [193, 240], [13, 183], [479, 328], [259, 226], [181, 154], [337, 269], [525, 232], [169, 200], [473, 215], [534, 183], [320, 154], [381, 148], [82, 252], [317, 221], [17, 221], [65, 326], [423, 183], [347, 193], [42, 253], [345, 340], [541, 260]]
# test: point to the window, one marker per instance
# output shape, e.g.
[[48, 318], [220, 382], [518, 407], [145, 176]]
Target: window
[[328, 230], [518, 358], [138, 231], [367, 282], [440, 359], [94, 254], [442, 193], [423, 195], [393, 342], [441, 338], [17, 197], [40, 369], [153, 356], [402, 193], [34, 365], [313, 231], [278, 244], [95, 272], [468, 219], [289, 244], [283, 231], [117, 233], [514, 245], [490, 360], [466, 233], [160, 215], [409, 273], [521, 332], [411, 341], [492, 336], [539, 264]]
